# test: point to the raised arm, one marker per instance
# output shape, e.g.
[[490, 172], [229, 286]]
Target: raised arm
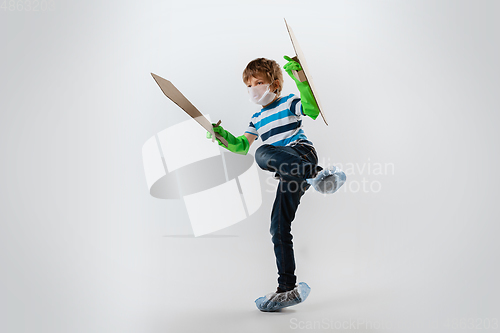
[[309, 106]]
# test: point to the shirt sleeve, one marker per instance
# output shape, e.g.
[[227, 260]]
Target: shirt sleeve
[[252, 130], [296, 106]]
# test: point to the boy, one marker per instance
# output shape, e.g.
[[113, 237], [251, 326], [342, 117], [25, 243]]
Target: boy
[[287, 153]]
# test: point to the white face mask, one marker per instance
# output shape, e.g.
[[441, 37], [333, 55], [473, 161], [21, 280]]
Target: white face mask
[[261, 94]]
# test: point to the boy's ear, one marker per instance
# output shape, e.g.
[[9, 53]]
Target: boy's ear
[[276, 85]]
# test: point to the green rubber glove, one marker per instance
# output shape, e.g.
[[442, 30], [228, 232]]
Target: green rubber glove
[[309, 105], [238, 145]]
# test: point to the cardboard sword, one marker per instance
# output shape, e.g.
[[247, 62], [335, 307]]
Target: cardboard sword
[[178, 98], [304, 74]]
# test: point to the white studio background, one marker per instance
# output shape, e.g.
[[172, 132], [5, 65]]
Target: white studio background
[[410, 86]]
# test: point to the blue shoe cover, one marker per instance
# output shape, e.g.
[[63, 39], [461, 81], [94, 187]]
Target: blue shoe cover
[[276, 301], [328, 180]]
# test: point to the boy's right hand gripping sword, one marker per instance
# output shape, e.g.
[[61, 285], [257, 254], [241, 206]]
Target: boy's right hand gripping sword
[[238, 145]]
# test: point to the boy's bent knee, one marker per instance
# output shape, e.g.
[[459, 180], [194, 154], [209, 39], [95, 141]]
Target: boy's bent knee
[[261, 158], [262, 150]]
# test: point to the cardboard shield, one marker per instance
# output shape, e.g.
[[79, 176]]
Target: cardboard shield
[[304, 74]]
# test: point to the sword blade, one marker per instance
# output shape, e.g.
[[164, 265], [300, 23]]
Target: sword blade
[[178, 98]]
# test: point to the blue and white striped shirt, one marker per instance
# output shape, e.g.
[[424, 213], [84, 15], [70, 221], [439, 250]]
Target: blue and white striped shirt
[[280, 124]]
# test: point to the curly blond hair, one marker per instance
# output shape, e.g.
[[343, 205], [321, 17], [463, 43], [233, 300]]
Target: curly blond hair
[[267, 68]]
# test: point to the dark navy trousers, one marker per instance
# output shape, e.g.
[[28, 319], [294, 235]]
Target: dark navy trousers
[[294, 164]]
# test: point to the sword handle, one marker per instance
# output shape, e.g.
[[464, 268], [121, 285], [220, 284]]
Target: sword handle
[[218, 136]]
